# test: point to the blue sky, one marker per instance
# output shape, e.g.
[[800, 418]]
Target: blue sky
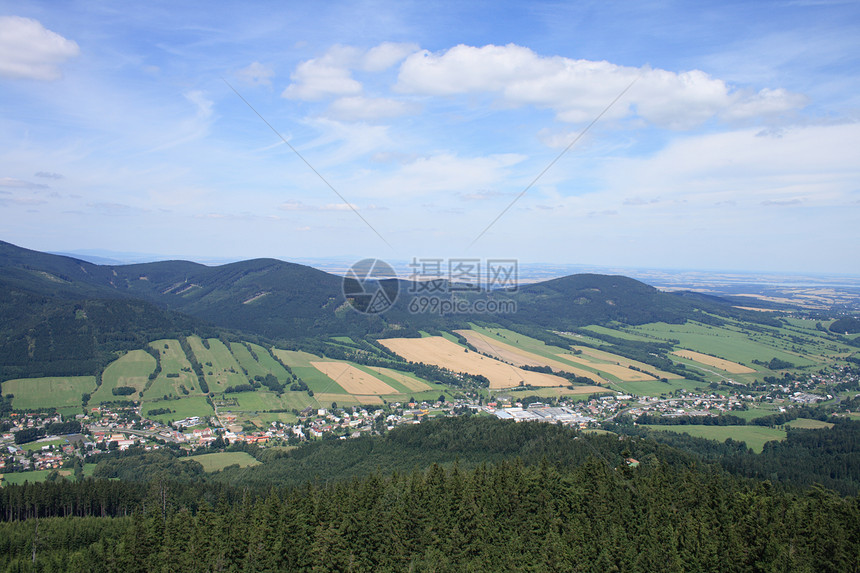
[[735, 148]]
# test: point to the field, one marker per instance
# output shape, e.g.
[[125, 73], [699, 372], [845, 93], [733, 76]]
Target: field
[[754, 436], [35, 476], [446, 354], [218, 461], [654, 387], [300, 363], [132, 369], [220, 367], [175, 363], [266, 361], [519, 357], [411, 383], [727, 365], [246, 360], [38, 445], [599, 365], [183, 408], [808, 424], [563, 391], [52, 392], [603, 357], [795, 342], [353, 380]]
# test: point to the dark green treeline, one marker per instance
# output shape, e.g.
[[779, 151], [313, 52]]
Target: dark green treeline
[[502, 517]]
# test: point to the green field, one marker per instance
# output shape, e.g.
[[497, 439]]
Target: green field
[[218, 461], [270, 364], [220, 367], [300, 363], [51, 392], [754, 412], [183, 408], [18, 478], [654, 387], [754, 436], [617, 333], [33, 446], [808, 424], [175, 363], [736, 343], [247, 361], [132, 369]]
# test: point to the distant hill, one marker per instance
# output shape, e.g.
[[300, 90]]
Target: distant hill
[[50, 302]]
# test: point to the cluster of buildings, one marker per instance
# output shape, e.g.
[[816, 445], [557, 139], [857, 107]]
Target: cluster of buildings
[[538, 412]]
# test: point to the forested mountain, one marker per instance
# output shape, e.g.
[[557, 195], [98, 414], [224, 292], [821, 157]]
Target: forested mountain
[[281, 300]]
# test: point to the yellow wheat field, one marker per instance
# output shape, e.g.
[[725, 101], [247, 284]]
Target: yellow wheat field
[[519, 357], [352, 379], [727, 365], [442, 352], [408, 381], [625, 362]]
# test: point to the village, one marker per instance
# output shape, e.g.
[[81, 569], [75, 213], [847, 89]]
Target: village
[[28, 446]]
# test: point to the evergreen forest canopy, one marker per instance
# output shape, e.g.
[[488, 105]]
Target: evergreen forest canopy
[[515, 507]]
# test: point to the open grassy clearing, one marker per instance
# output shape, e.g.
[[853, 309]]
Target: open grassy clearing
[[326, 399], [728, 343], [655, 387], [183, 408], [220, 367], [300, 363], [754, 412], [132, 369], [218, 461], [619, 332], [808, 424], [175, 363], [754, 437], [727, 365], [444, 353], [251, 402], [243, 357], [266, 418], [352, 379], [36, 476], [49, 392], [270, 364], [38, 445]]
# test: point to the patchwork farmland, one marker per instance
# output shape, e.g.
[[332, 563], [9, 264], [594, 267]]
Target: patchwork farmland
[[442, 352]]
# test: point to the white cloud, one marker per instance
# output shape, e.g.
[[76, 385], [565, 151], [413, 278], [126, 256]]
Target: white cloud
[[578, 90], [386, 55], [445, 173], [28, 50], [329, 75], [765, 102], [358, 108], [256, 74], [204, 105], [807, 166]]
